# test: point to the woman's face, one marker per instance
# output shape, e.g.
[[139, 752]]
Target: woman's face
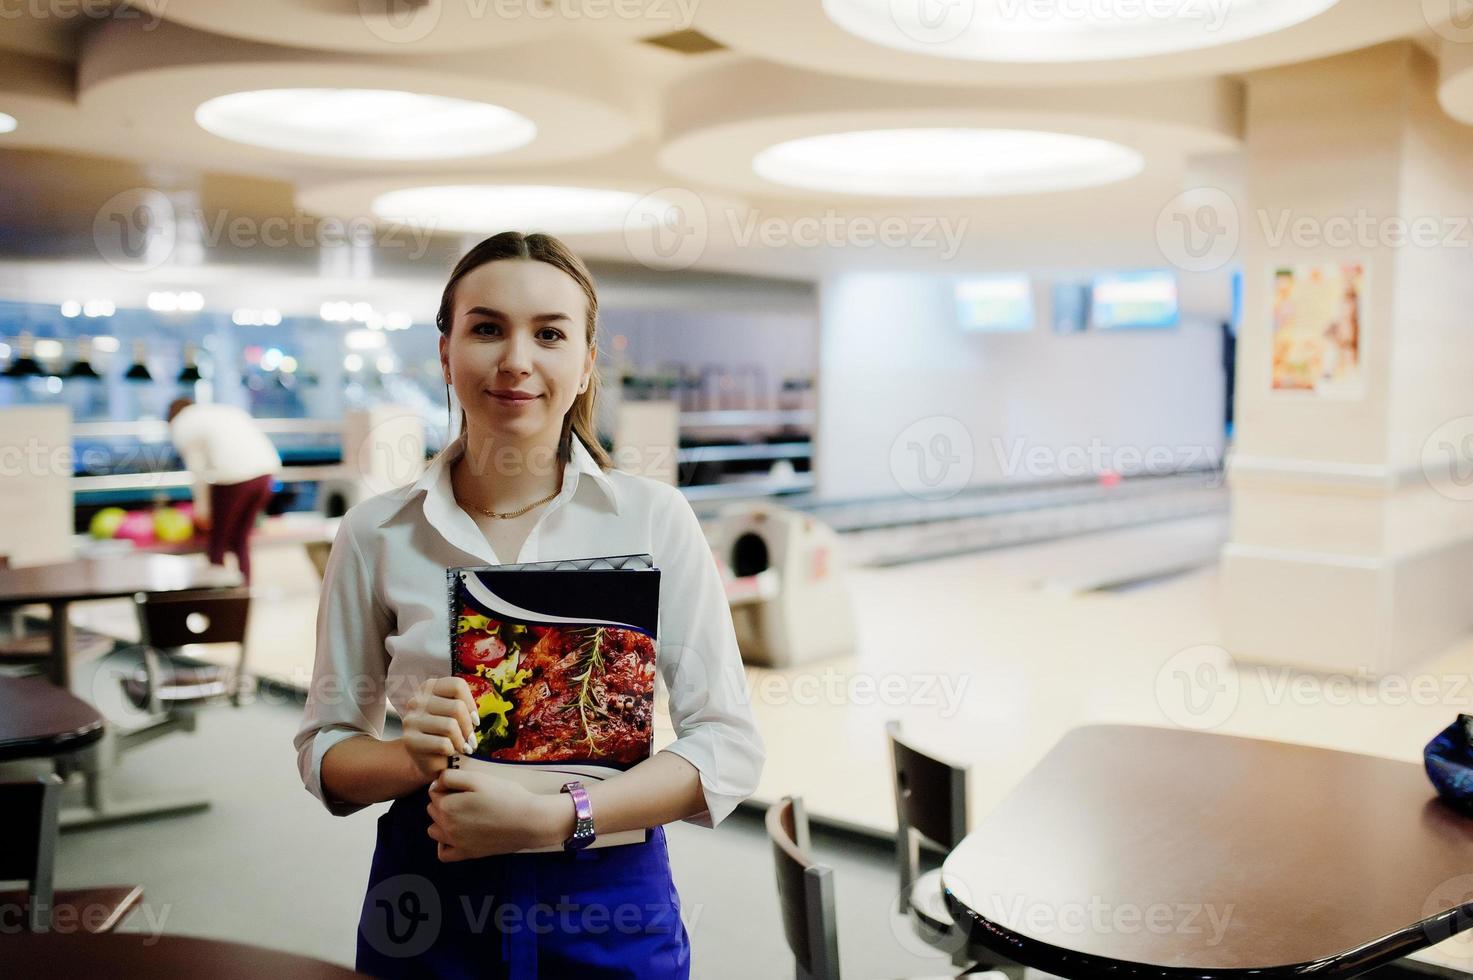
[[517, 352]]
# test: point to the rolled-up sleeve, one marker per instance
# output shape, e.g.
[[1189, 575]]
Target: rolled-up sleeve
[[702, 668], [346, 696]]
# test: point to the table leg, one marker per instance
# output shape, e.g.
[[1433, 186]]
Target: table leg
[[101, 810], [61, 646]]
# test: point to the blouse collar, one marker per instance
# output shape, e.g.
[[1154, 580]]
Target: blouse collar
[[455, 525]]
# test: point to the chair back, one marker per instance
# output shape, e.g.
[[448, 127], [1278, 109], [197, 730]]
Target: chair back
[[28, 825], [174, 619], [805, 893], [930, 803]]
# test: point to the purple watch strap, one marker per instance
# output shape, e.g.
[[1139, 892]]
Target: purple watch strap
[[583, 833]]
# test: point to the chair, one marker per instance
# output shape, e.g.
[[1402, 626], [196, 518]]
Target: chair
[[805, 893], [28, 825], [930, 809], [169, 685]]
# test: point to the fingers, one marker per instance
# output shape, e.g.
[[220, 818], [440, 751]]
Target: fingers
[[452, 708], [455, 779], [446, 728], [453, 687], [422, 743]]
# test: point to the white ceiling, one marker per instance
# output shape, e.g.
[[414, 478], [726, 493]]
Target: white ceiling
[[105, 106]]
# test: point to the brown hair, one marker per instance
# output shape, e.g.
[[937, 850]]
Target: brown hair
[[580, 420]]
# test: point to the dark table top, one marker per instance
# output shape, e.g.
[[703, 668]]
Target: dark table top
[[127, 955], [39, 719], [1145, 852], [110, 577]]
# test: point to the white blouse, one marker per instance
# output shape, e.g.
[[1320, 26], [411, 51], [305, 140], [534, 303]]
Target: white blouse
[[383, 619]]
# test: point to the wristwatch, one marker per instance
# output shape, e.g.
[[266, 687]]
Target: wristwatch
[[583, 834]]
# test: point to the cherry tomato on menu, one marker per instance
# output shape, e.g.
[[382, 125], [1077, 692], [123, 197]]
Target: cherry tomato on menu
[[473, 650]]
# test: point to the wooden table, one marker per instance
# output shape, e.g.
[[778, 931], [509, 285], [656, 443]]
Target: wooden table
[[59, 585], [39, 720], [144, 956], [112, 577], [1156, 853]]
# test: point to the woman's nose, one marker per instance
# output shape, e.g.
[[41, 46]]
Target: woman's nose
[[516, 355]]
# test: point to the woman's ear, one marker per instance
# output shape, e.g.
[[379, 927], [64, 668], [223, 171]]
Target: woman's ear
[[445, 357]]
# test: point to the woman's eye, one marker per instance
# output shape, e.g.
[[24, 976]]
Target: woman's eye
[[550, 335], [485, 328]]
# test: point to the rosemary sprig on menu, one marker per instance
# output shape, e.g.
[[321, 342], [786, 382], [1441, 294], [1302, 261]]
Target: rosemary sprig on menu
[[591, 654]]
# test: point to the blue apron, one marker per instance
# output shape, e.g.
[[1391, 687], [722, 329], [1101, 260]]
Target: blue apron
[[598, 913]]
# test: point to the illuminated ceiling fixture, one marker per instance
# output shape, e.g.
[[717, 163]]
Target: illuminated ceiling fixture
[[189, 374], [365, 124], [480, 208], [24, 363], [1063, 30], [7, 123], [82, 367], [946, 162], [138, 370]]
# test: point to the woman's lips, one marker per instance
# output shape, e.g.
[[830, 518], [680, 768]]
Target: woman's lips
[[514, 398]]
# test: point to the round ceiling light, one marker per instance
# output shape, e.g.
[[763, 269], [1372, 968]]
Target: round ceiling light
[[1064, 30], [7, 123], [365, 124], [485, 208], [946, 162]]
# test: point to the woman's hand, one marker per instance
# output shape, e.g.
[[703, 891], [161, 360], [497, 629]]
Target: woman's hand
[[474, 814], [439, 723]]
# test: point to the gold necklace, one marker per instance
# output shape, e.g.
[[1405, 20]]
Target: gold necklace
[[508, 515]]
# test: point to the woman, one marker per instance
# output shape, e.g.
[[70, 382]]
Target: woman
[[526, 480], [233, 464]]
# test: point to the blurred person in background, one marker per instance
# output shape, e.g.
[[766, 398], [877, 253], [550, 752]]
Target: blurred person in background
[[233, 463]]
